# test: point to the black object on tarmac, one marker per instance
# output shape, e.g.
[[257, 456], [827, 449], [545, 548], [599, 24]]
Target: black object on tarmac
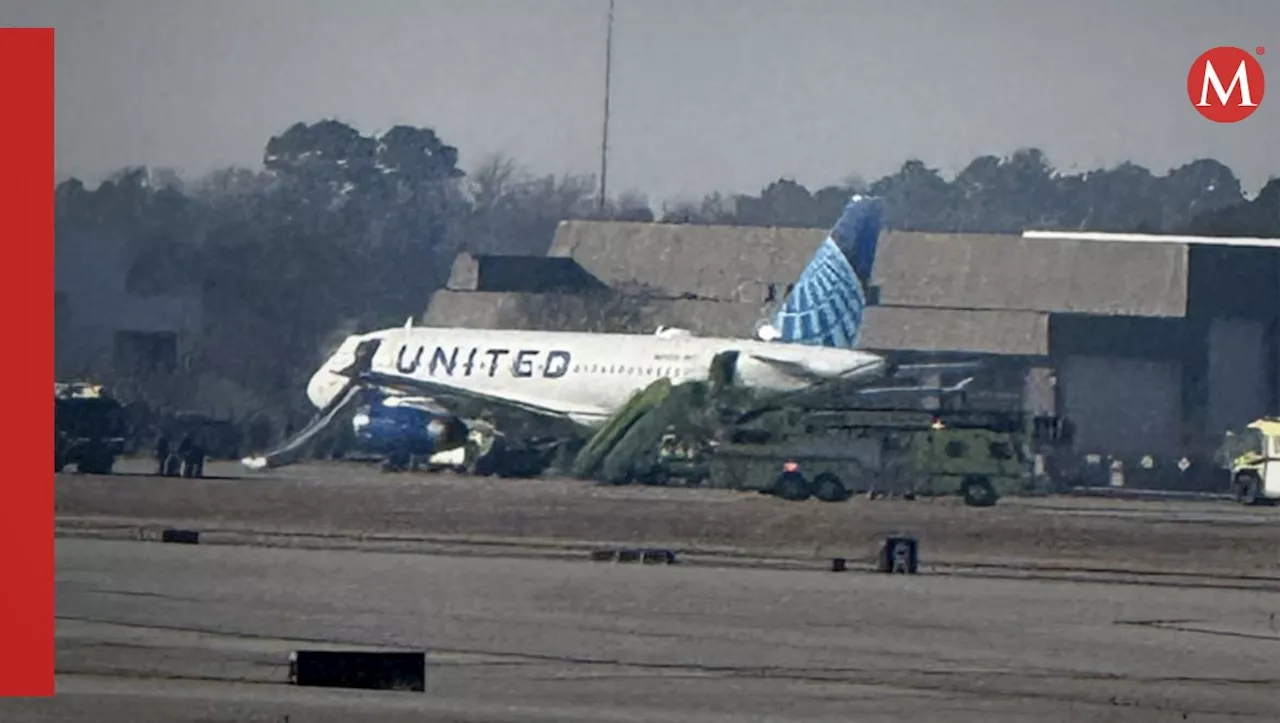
[[900, 554], [368, 670], [649, 556], [180, 537]]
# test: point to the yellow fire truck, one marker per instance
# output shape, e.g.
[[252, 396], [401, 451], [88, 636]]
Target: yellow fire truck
[[1253, 457]]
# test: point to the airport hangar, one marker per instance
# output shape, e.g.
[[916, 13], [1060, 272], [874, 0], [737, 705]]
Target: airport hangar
[[1148, 348]]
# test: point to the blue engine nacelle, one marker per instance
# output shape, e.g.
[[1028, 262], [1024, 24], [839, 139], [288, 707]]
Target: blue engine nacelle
[[404, 426]]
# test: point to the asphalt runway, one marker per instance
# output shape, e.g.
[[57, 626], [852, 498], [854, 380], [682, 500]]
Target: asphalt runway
[[154, 632], [352, 500]]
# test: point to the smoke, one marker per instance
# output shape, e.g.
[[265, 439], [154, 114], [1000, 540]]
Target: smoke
[[331, 341]]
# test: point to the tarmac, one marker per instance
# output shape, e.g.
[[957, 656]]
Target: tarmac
[[519, 624], [358, 502], [148, 631]]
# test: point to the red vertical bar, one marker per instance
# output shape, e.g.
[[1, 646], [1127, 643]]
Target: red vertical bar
[[26, 295]]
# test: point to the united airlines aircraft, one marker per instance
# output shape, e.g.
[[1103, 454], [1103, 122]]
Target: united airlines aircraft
[[433, 386]]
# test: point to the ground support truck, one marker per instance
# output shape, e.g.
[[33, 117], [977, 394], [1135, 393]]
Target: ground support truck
[[824, 449], [89, 428]]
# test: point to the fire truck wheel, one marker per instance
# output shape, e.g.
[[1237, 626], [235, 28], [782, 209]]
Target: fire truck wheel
[[978, 492], [792, 486], [828, 488], [1247, 489]]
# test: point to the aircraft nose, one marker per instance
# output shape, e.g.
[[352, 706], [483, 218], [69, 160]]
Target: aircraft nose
[[323, 387]]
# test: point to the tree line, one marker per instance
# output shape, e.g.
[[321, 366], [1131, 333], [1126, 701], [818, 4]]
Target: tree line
[[340, 230]]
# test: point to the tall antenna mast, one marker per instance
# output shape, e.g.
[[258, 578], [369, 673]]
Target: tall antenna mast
[[604, 136]]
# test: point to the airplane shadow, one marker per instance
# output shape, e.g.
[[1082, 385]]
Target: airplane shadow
[[145, 475]]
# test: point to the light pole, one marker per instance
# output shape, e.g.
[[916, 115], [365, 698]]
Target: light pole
[[604, 135]]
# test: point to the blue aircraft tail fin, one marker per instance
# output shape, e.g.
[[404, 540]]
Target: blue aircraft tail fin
[[825, 308]]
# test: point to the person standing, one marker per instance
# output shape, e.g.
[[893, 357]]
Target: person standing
[[162, 455]]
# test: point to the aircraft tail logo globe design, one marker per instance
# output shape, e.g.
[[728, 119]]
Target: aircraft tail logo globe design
[[827, 304]]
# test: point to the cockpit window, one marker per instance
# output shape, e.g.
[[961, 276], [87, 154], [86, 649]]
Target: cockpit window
[[1253, 442]]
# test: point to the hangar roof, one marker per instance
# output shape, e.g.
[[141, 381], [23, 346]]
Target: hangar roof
[[887, 328], [974, 293], [957, 271]]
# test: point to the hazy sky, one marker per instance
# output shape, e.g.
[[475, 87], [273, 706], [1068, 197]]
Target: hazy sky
[[707, 94]]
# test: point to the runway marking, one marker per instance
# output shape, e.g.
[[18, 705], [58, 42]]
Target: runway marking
[[576, 552], [1206, 628], [1161, 516]]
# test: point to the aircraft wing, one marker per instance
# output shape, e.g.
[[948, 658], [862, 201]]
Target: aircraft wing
[[905, 370], [827, 387], [921, 390], [791, 368], [468, 403]]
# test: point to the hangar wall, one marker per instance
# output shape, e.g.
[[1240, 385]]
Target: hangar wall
[[1123, 406], [1234, 310], [1239, 390]]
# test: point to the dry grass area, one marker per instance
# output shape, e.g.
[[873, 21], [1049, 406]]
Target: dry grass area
[[1215, 537]]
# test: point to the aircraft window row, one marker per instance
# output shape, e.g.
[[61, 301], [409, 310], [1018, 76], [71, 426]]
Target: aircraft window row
[[635, 371]]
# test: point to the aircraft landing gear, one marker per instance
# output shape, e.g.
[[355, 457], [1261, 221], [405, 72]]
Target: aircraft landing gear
[[496, 456], [397, 462]]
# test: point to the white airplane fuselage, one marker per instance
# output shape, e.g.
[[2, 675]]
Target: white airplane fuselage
[[584, 376]]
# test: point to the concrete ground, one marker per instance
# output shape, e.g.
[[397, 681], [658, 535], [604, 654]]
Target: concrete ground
[[1216, 538], [169, 633], [153, 632]]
